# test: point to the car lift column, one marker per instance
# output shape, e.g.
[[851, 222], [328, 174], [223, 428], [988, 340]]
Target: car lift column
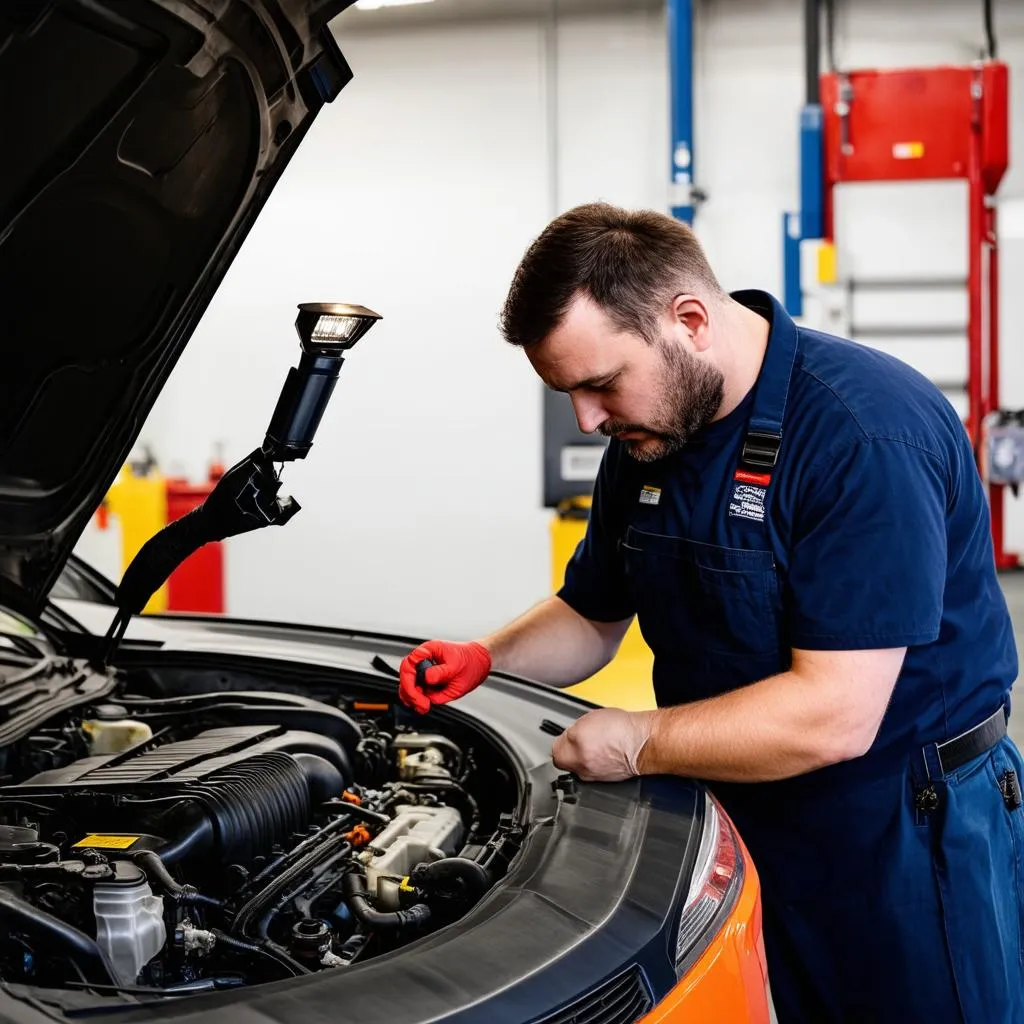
[[918, 124]]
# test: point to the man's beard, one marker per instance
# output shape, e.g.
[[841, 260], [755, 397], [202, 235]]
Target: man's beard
[[691, 395]]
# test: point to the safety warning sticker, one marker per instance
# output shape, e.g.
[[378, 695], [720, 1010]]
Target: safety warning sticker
[[108, 842], [747, 502]]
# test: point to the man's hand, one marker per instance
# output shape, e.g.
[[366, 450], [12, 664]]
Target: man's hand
[[604, 745], [457, 669]]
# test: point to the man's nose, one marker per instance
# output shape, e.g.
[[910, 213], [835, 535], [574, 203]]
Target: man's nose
[[590, 413]]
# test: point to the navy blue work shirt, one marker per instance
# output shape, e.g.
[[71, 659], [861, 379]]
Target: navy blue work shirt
[[877, 535]]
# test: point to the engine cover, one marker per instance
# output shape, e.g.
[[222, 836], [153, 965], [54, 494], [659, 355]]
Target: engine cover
[[176, 763], [240, 788]]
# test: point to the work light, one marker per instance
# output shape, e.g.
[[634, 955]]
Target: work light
[[326, 331], [246, 498]]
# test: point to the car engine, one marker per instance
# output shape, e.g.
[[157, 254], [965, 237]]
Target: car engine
[[212, 840]]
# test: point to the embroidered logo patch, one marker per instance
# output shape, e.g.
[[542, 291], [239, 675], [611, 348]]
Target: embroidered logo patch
[[650, 495], [747, 501]]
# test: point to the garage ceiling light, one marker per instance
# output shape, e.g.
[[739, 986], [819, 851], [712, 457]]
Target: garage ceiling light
[[373, 5]]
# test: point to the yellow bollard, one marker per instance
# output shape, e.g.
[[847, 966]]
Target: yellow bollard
[[140, 503]]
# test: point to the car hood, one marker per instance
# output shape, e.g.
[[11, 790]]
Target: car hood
[[141, 141]]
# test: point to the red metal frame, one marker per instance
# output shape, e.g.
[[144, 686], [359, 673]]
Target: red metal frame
[[915, 124]]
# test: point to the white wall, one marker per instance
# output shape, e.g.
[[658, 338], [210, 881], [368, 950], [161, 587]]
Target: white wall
[[417, 191], [416, 194]]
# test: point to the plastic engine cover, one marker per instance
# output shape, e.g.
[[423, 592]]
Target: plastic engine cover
[[415, 835]]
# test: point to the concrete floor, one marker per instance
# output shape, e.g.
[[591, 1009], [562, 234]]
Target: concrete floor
[[1013, 588]]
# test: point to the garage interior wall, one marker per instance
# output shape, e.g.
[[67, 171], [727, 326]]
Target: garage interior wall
[[417, 191]]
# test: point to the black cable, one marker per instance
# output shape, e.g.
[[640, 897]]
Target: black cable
[[185, 988], [990, 32], [358, 901], [264, 926], [280, 863], [812, 46], [371, 817], [830, 34], [113, 638], [269, 951], [264, 899]]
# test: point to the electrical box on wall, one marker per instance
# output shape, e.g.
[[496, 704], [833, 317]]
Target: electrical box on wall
[[571, 458], [915, 123]]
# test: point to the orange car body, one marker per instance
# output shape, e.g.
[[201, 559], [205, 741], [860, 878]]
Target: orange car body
[[729, 983]]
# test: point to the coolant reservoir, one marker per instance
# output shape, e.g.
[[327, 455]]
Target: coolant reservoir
[[129, 921], [111, 736]]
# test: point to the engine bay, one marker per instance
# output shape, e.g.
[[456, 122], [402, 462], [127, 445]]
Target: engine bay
[[172, 842]]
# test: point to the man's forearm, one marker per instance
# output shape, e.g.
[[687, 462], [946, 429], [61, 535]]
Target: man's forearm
[[773, 729], [554, 644]]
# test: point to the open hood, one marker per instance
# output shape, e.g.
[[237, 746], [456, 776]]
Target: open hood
[[141, 140]]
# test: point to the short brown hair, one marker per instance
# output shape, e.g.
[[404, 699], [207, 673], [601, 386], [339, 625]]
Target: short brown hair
[[631, 263]]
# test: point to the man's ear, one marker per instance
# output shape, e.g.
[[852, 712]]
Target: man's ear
[[692, 314]]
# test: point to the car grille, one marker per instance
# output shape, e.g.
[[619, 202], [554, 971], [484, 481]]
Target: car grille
[[622, 1000]]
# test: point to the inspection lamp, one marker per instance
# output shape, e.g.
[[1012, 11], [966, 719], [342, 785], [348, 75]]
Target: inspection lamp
[[326, 330], [246, 497]]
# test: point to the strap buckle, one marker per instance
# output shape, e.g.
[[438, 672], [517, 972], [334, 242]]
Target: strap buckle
[[761, 449]]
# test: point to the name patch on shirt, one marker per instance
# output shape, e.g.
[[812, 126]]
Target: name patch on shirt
[[650, 495], [747, 501]]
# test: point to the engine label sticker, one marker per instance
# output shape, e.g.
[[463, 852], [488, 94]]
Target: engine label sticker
[[108, 842]]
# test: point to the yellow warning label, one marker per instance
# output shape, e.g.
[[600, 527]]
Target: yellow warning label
[[108, 842], [908, 150]]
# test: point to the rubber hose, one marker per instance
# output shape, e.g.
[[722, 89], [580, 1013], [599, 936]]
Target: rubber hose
[[325, 781], [17, 915], [454, 878], [196, 837], [157, 873], [358, 900]]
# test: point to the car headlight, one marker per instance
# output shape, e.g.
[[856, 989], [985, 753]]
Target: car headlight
[[714, 889]]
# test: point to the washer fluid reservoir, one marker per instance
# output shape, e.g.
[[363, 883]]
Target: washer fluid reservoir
[[129, 921]]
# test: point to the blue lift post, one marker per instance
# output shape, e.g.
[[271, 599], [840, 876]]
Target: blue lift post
[[809, 222], [680, 51]]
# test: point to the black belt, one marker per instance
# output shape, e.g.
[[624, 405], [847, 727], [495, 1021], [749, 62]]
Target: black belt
[[955, 753]]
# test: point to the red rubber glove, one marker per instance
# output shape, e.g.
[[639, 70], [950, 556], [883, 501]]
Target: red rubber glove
[[457, 669]]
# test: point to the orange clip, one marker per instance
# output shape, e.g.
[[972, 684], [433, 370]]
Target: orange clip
[[359, 836], [351, 798]]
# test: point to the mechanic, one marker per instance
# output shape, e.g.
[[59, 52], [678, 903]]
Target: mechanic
[[799, 525]]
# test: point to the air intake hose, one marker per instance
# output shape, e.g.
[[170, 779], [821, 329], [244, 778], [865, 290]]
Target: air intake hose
[[243, 809]]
